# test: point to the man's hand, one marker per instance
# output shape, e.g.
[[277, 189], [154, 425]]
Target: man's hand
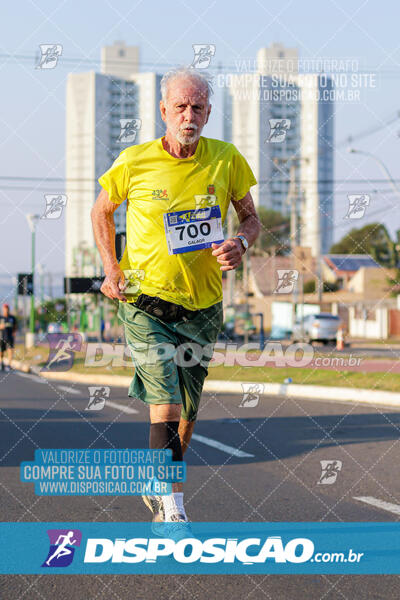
[[113, 284], [229, 253]]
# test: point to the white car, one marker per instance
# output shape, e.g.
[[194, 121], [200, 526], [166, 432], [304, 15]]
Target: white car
[[322, 327]]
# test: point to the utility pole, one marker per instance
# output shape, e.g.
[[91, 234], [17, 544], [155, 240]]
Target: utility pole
[[50, 283], [68, 302], [40, 269], [318, 257], [15, 282], [291, 200]]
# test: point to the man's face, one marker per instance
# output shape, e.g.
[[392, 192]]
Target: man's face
[[5, 311], [186, 109]]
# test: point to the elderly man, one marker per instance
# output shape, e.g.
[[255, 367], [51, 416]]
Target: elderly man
[[178, 190]]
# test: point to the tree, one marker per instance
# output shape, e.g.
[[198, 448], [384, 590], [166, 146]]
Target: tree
[[394, 284], [54, 311], [372, 239], [275, 231], [328, 286]]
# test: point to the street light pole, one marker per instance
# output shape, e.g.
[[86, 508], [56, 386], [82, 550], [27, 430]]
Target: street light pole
[[32, 220], [381, 164]]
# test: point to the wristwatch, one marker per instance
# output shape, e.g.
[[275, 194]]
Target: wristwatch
[[245, 243]]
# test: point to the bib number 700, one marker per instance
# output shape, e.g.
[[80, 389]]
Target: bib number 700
[[193, 230]]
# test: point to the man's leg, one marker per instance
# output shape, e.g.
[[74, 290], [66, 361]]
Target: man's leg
[[163, 414], [200, 334], [164, 422], [10, 350], [185, 431]]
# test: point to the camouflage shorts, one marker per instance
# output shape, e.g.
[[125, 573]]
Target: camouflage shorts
[[171, 359]]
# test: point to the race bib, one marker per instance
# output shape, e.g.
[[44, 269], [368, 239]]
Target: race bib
[[188, 230]]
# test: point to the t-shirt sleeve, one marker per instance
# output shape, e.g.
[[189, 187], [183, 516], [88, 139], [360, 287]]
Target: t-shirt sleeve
[[116, 180], [242, 176]]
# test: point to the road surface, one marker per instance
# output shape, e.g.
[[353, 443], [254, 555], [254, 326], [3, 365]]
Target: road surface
[[259, 463]]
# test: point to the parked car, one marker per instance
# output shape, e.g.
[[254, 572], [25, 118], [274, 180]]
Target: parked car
[[322, 327]]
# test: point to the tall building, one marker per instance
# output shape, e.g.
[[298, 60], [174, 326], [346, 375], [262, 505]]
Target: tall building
[[98, 107], [276, 119]]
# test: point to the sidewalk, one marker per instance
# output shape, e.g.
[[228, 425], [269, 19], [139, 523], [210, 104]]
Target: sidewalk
[[310, 392]]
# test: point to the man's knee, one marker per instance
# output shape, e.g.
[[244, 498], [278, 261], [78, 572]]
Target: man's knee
[[160, 413]]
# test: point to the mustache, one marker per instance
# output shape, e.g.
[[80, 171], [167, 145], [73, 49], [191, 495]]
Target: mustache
[[191, 125]]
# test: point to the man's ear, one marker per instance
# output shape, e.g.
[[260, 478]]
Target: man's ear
[[208, 113], [163, 110]]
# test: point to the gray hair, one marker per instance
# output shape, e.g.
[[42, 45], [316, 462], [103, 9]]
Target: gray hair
[[189, 72]]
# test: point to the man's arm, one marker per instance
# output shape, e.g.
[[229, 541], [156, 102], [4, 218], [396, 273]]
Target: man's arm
[[229, 253], [104, 234]]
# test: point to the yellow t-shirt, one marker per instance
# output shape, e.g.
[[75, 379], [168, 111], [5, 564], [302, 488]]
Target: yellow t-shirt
[[154, 182]]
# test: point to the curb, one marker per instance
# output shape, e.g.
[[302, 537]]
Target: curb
[[291, 390], [312, 392]]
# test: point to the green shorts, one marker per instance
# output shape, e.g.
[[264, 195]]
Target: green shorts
[[171, 359]]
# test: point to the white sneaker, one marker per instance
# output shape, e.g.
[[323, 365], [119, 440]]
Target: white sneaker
[[177, 528], [155, 504]]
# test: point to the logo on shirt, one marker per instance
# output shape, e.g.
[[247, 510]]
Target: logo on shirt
[[159, 195]]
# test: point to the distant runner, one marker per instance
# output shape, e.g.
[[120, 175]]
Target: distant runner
[[8, 326]]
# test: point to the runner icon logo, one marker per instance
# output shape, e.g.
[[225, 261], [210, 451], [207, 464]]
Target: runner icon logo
[[97, 397], [251, 394], [62, 547], [330, 470], [62, 348]]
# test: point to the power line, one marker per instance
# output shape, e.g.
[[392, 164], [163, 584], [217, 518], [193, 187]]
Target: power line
[[218, 67], [81, 179], [354, 138]]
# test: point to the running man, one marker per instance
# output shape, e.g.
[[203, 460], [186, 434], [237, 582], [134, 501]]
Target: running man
[[62, 549], [8, 326], [178, 190]]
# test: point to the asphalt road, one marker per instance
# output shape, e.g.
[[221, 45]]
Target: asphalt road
[[287, 438]]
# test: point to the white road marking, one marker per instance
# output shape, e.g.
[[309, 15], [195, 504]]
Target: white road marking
[[70, 390], [222, 447], [122, 407], [393, 508], [32, 377]]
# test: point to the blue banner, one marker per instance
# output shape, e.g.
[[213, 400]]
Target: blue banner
[[201, 548], [110, 472]]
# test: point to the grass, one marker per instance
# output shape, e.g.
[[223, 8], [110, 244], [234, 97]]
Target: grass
[[268, 374]]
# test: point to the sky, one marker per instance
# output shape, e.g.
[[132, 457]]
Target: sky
[[32, 102]]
